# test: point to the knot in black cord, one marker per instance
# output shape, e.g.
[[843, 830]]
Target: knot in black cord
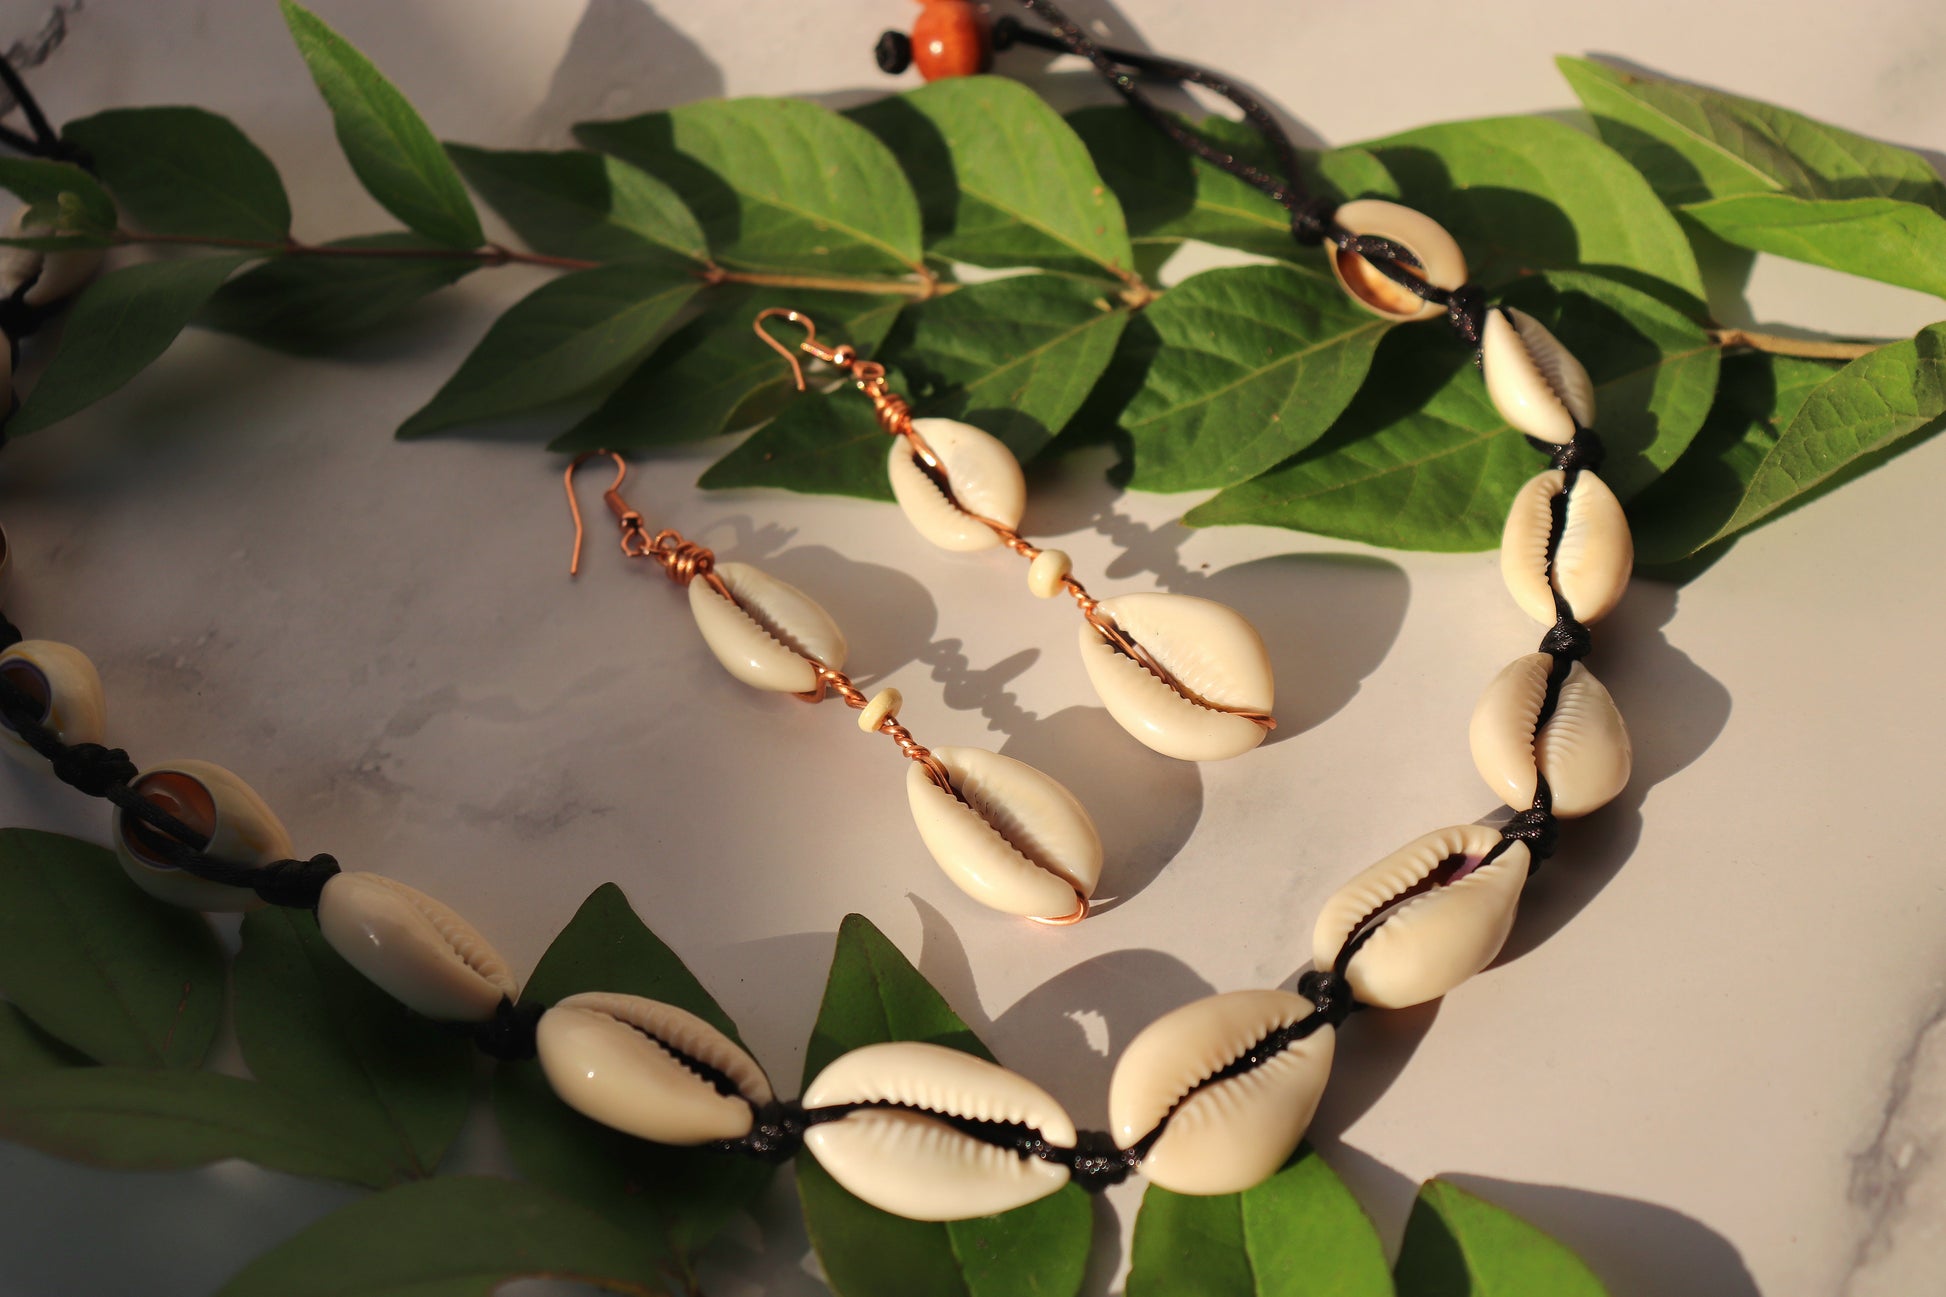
[[294, 884], [1330, 992], [9, 633], [1567, 639], [93, 768], [893, 53], [776, 1133], [1538, 829], [1311, 221], [1584, 454], [1466, 311], [1004, 34], [1097, 1161], [509, 1034]]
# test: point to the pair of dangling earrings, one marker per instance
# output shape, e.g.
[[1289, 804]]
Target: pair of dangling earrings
[[1188, 677]]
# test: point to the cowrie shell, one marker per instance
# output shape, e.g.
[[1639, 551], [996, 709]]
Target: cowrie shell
[[1209, 647], [1535, 382], [772, 633], [54, 275], [1440, 260], [904, 1159], [982, 473], [239, 825], [1591, 563], [414, 948], [1583, 750], [1433, 913], [66, 684], [649, 1069], [1013, 839], [1221, 1136]]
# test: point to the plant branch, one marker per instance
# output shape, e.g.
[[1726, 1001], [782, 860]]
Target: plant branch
[[926, 286], [490, 255], [1804, 348]]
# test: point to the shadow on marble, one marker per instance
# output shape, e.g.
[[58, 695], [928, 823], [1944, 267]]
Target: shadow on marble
[[888, 616], [624, 58]]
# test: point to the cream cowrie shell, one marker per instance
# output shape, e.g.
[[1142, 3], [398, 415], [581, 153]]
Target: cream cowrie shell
[[53, 275], [904, 1158], [1441, 263], [1046, 573], [68, 688], [1209, 648], [217, 804], [982, 473], [1220, 1136], [1425, 918], [1592, 562], [771, 634], [649, 1069], [414, 948], [1013, 839], [1536, 383], [1583, 750]]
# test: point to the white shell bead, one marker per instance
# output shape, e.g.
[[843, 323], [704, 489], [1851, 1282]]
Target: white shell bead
[[414, 948], [913, 1164], [771, 634], [1592, 562], [1535, 382], [1046, 573], [617, 1059], [54, 275], [1437, 939], [984, 476], [1014, 839], [211, 800], [1209, 647], [1583, 750], [1227, 1136], [1440, 259], [882, 707], [62, 677]]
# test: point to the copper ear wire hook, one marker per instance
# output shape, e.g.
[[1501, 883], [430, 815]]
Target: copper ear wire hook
[[635, 539]]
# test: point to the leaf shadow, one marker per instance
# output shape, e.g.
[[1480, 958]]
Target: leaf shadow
[[623, 58]]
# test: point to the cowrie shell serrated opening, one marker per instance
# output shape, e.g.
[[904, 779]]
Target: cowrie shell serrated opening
[[414, 948], [983, 475], [1222, 1136], [1441, 263], [1211, 650], [771, 634], [649, 1069], [1593, 560], [1583, 750], [65, 683], [1535, 383], [238, 824], [1013, 839]]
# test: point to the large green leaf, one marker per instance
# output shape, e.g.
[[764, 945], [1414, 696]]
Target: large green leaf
[[1001, 179], [311, 304], [1422, 460], [1879, 238], [392, 1083], [26, 1048], [59, 195], [457, 1236], [778, 184], [821, 443], [1298, 1234], [119, 323], [1458, 1245], [566, 337], [576, 204], [185, 171], [673, 1199], [395, 157], [874, 994], [713, 375], [99, 963], [1255, 363]]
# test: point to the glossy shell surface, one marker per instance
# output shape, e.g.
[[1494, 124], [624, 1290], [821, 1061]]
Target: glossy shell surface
[[414, 948], [1440, 259], [649, 1069], [906, 1160], [1221, 1136], [211, 800], [1435, 916], [1583, 749], [1014, 839], [765, 637], [1591, 563], [1535, 382], [1209, 647], [984, 476], [66, 683]]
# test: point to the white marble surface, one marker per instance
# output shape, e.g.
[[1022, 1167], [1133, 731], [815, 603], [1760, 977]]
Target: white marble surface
[[1712, 1059]]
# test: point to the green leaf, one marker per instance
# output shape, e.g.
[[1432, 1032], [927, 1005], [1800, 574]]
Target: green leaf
[[1457, 1245], [26, 1048], [713, 376], [120, 322], [567, 336], [575, 204], [821, 443], [139, 1119], [395, 157], [59, 195], [1014, 356], [1422, 460], [1878, 238], [457, 1236], [674, 1199], [185, 171], [874, 994], [778, 184], [392, 1083], [1256, 361], [1298, 1234], [1001, 179], [99, 963], [308, 305]]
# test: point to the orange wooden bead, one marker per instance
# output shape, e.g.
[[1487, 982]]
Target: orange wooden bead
[[951, 38]]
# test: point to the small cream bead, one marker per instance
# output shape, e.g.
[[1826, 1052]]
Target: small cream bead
[[884, 706], [1045, 574]]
